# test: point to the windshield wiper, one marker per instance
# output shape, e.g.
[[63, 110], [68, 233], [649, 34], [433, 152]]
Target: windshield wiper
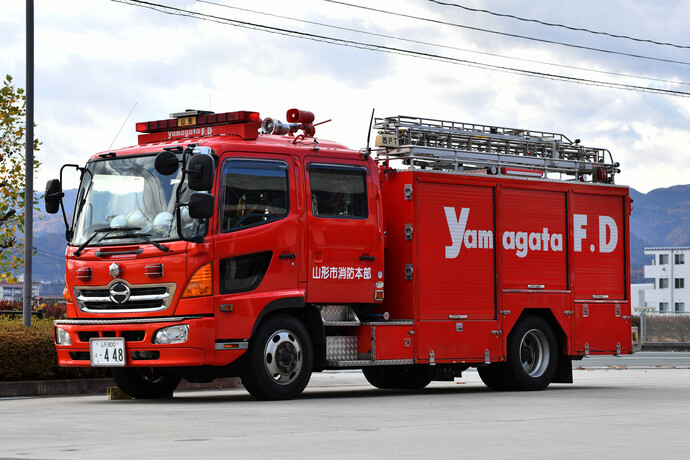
[[144, 236], [98, 231]]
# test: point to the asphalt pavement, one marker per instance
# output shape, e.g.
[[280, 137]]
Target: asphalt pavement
[[626, 407]]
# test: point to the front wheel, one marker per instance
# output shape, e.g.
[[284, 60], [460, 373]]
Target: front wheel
[[279, 360], [496, 376], [144, 382], [532, 354]]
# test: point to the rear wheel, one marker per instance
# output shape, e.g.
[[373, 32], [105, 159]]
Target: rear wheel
[[413, 377], [532, 354], [279, 360], [144, 382]]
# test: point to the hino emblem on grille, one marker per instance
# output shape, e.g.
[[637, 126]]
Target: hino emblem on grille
[[119, 293], [114, 270]]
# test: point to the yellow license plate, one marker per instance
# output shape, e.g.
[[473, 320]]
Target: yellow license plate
[[186, 121]]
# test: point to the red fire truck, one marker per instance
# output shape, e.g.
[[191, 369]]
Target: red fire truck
[[227, 245]]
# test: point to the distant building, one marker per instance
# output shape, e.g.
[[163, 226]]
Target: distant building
[[15, 291], [670, 273], [638, 297]]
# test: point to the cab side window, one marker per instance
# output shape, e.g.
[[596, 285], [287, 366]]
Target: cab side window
[[254, 192], [338, 191]]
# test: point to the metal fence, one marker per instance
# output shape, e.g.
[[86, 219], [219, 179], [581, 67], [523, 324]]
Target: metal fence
[[664, 328]]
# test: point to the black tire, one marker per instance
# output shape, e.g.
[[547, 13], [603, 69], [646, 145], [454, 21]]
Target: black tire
[[532, 354], [496, 377], [279, 360], [144, 382], [377, 377], [413, 377]]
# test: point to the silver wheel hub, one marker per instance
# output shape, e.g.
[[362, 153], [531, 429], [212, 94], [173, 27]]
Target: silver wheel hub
[[535, 353], [283, 357]]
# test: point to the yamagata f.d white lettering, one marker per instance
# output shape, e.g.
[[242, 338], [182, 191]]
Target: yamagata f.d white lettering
[[608, 233], [524, 242], [468, 238]]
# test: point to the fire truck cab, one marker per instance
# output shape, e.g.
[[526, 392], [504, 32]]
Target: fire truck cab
[[227, 245]]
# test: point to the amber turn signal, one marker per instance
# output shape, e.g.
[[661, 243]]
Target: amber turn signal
[[201, 283], [66, 295]]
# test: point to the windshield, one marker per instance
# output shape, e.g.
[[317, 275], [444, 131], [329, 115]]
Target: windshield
[[127, 196]]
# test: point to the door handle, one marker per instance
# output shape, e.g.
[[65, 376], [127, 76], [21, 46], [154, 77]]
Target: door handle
[[287, 256], [369, 258]]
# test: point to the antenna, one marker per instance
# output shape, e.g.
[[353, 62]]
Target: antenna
[[123, 125]]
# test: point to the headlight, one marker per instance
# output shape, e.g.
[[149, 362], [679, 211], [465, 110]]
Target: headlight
[[172, 334], [62, 337]]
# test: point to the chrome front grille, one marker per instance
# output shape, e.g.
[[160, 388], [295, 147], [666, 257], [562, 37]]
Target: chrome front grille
[[120, 296]]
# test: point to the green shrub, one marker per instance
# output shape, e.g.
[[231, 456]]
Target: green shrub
[[48, 309], [54, 310], [29, 353]]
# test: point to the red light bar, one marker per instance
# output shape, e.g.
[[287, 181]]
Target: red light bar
[[201, 120], [228, 117], [155, 126]]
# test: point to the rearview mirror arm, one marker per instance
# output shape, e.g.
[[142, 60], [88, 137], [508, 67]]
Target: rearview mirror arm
[[68, 229]]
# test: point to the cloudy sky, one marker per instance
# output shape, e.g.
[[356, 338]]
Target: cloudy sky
[[98, 60]]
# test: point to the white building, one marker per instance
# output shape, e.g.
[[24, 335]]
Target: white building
[[670, 274], [637, 297], [15, 291]]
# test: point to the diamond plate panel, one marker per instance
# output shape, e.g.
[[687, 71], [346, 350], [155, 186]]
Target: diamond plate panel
[[338, 313], [342, 348]]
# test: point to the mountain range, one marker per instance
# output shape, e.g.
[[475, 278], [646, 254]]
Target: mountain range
[[660, 217]]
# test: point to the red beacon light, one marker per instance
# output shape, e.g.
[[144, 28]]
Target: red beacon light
[[299, 116], [297, 120]]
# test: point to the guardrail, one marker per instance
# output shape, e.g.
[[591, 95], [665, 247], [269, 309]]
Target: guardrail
[[38, 313], [665, 330]]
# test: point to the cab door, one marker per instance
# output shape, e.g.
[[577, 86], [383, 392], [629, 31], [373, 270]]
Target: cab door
[[345, 250], [257, 247]]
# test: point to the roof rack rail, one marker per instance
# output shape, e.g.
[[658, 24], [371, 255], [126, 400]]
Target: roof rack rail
[[454, 146]]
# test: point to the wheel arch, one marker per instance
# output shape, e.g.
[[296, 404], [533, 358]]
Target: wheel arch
[[309, 316], [564, 370]]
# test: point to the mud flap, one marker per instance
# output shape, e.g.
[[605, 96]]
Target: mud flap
[[564, 372]]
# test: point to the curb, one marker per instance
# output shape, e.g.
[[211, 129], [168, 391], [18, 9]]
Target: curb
[[660, 346], [91, 386]]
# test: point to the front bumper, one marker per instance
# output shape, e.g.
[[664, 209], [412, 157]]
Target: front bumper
[[140, 350]]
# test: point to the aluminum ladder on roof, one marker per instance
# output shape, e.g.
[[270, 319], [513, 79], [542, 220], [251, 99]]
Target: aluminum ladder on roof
[[456, 146]]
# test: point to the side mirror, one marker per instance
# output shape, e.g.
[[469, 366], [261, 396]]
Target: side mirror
[[53, 196], [201, 205], [167, 163], [200, 171]]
